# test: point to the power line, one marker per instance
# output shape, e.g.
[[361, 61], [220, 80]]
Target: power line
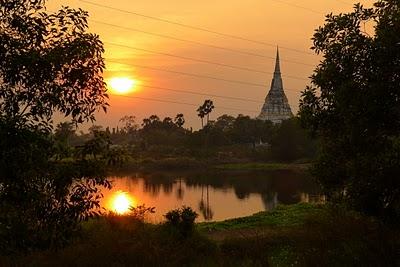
[[179, 103], [344, 2], [203, 94], [198, 75], [192, 59], [198, 43], [289, 4], [195, 27], [210, 95], [190, 74]]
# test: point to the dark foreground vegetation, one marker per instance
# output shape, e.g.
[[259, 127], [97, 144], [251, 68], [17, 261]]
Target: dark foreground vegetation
[[297, 235], [49, 197]]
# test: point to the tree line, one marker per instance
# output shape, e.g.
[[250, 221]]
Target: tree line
[[230, 137]]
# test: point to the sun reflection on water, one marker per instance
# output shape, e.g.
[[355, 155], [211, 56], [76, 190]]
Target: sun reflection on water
[[122, 202]]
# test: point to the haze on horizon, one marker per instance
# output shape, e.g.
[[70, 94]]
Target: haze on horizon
[[287, 23]]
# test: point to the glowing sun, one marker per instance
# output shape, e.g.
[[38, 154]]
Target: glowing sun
[[121, 202], [122, 85]]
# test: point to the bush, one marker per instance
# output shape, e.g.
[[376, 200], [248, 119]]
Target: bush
[[182, 219], [140, 212]]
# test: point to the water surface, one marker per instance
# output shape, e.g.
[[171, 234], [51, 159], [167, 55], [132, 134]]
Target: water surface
[[214, 195]]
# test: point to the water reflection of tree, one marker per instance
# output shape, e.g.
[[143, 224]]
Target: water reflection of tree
[[180, 192], [205, 207], [155, 182], [241, 193], [270, 200], [273, 186]]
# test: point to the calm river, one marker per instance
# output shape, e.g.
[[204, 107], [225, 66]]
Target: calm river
[[214, 196]]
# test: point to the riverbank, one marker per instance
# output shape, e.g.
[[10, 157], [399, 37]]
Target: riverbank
[[294, 235], [188, 163], [263, 166]]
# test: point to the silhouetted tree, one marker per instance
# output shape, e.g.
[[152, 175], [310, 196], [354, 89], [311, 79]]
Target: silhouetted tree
[[179, 120], [95, 129], [64, 131], [290, 142], [208, 107], [63, 134], [151, 121], [49, 63], [167, 121], [353, 105], [201, 113], [128, 124], [225, 123]]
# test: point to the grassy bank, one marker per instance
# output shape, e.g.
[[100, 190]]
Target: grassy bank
[[282, 216], [188, 163], [259, 166], [171, 163], [295, 235], [306, 235]]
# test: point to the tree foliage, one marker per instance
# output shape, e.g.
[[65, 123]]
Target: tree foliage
[[128, 124], [290, 142], [243, 136], [49, 63], [179, 120], [353, 104], [205, 110]]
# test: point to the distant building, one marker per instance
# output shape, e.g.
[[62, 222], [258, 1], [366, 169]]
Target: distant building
[[276, 107]]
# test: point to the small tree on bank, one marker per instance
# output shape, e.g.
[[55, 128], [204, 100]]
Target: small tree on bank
[[353, 105]]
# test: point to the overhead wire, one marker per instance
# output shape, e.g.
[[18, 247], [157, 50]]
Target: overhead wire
[[291, 4], [180, 102], [197, 75], [199, 43], [194, 59], [203, 94], [343, 2], [195, 27], [198, 60], [206, 94]]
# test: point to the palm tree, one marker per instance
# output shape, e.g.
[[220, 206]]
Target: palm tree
[[205, 110], [201, 113], [208, 107]]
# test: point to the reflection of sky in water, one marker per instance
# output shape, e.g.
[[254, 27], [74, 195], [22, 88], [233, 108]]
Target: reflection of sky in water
[[213, 196]]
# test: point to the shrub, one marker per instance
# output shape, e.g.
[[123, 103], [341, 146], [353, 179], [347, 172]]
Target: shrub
[[173, 217], [182, 219], [140, 212]]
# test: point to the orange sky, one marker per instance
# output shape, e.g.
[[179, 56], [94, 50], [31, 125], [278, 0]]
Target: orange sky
[[287, 23]]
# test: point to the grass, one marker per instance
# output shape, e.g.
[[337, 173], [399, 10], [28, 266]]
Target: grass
[[262, 166], [171, 163], [293, 235], [282, 216], [306, 235]]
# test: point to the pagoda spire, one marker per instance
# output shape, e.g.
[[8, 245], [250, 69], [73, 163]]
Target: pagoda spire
[[277, 63], [276, 107]]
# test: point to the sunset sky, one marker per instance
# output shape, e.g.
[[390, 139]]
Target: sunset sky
[[287, 23]]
